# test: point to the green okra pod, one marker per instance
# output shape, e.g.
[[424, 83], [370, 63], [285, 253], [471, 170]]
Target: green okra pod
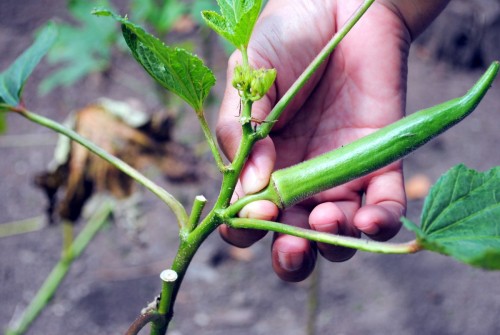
[[293, 184]]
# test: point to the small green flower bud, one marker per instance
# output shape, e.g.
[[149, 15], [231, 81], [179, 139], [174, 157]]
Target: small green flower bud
[[261, 82], [238, 77]]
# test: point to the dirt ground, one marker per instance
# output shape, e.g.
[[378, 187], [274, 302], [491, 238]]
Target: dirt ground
[[222, 294]]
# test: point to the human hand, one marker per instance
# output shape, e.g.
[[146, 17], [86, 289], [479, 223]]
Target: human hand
[[360, 89]]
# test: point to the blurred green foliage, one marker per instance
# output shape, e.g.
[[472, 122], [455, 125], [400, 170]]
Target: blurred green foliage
[[86, 46]]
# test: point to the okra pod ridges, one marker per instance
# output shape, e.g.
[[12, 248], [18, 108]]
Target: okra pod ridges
[[376, 150]]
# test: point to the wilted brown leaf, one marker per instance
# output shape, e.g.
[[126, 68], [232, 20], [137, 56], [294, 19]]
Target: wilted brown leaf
[[84, 173]]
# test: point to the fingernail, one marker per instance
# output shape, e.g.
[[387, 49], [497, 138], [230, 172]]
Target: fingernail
[[290, 261]]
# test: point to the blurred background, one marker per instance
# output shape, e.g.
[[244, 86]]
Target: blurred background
[[227, 290]]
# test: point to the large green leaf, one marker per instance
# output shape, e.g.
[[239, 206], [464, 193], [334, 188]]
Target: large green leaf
[[235, 21], [461, 217], [12, 80], [174, 68]]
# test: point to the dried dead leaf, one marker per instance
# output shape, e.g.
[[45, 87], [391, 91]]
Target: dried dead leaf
[[108, 125]]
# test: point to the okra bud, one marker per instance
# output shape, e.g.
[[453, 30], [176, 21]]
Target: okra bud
[[296, 183]]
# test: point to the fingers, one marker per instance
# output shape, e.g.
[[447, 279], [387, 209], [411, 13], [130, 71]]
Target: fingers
[[293, 258], [335, 218], [385, 204], [259, 166], [241, 238]]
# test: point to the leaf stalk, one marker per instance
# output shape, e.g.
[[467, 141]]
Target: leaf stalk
[[211, 141], [344, 241]]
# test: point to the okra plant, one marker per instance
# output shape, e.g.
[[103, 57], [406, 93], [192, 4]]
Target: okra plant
[[460, 216]]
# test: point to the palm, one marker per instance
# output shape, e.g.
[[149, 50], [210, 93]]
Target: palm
[[358, 90]]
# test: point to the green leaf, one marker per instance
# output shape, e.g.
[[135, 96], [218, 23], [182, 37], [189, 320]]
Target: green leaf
[[235, 21], [12, 80], [461, 217], [174, 68]]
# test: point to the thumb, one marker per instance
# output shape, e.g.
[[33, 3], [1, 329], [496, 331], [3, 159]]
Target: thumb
[[257, 171]]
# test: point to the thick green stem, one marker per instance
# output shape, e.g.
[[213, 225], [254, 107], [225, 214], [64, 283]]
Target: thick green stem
[[344, 241], [266, 127], [185, 253], [52, 282], [167, 198]]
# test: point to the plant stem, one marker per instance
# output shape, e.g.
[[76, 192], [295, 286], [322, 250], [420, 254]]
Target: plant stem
[[21, 226], [58, 273], [141, 322], [198, 205], [280, 106], [244, 56], [67, 239], [265, 194], [167, 198], [211, 141], [195, 238], [344, 241], [185, 253]]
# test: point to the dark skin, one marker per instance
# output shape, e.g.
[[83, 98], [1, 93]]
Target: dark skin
[[360, 89]]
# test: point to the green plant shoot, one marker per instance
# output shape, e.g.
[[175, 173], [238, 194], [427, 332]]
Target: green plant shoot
[[235, 21]]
